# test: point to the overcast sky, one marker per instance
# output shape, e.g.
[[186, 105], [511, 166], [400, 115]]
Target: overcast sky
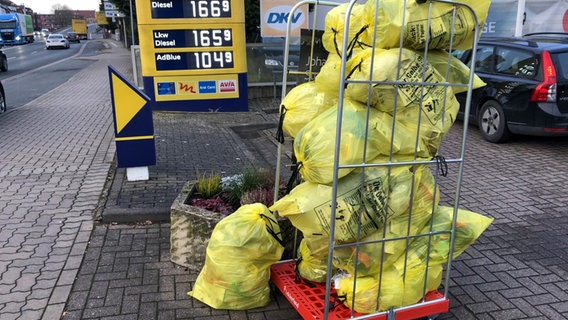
[[44, 6]]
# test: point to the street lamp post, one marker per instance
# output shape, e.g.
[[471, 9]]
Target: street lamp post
[[132, 23]]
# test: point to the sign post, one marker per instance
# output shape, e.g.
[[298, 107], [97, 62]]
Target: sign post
[[193, 54], [134, 128]]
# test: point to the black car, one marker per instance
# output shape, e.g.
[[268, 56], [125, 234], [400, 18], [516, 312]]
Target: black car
[[2, 99], [72, 37], [3, 61], [527, 86]]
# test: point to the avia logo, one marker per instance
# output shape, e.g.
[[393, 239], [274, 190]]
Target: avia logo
[[227, 86], [277, 17], [187, 88]]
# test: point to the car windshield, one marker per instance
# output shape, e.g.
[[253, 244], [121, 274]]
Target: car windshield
[[56, 36]]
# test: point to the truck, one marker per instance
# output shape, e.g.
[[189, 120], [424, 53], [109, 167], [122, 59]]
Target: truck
[[79, 26], [16, 28]]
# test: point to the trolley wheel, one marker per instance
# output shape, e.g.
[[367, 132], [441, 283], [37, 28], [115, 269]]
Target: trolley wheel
[[492, 122]]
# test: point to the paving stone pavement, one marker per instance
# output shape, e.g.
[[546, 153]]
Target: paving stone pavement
[[55, 154], [115, 268]]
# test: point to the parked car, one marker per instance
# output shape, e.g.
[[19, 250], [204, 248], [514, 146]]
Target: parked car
[[527, 86], [56, 40], [72, 37], [3, 61], [2, 99]]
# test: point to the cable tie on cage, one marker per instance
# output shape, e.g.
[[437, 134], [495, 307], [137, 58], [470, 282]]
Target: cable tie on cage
[[355, 40], [337, 300], [358, 66], [441, 165], [280, 130], [294, 178], [297, 270], [270, 228], [299, 278], [335, 32]]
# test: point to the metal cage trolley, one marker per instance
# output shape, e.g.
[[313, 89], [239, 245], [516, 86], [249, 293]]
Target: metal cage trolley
[[378, 159]]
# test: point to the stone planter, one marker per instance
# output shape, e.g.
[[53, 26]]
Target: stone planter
[[190, 230]]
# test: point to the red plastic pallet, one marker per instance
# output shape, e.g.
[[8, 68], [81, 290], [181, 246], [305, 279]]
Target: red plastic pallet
[[309, 300]]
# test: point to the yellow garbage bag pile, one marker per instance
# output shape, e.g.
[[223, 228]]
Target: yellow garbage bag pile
[[382, 205], [398, 104], [239, 254], [402, 282], [363, 206], [314, 145]]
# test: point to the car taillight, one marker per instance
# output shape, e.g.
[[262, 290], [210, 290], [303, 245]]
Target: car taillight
[[546, 90]]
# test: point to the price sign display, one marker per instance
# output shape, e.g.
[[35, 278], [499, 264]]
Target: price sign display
[[193, 38], [191, 9], [193, 50], [200, 60], [198, 49], [183, 10]]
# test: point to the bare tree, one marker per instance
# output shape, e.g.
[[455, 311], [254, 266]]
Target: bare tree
[[62, 14]]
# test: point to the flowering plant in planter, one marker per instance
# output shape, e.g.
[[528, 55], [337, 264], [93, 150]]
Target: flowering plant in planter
[[227, 194]]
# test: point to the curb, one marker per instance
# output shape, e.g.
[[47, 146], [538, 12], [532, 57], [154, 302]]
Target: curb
[[135, 215]]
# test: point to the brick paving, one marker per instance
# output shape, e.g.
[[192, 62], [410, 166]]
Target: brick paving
[[56, 261], [55, 156]]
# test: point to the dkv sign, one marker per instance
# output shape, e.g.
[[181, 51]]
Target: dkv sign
[[275, 15]]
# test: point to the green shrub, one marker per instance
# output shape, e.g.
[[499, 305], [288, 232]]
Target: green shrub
[[208, 185], [250, 179]]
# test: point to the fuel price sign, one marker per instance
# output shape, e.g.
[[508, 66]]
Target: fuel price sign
[[202, 48], [204, 10], [194, 50]]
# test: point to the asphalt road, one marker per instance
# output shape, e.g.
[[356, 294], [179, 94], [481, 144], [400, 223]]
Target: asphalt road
[[33, 70]]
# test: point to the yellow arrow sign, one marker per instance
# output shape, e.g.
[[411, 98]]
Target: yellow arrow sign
[[129, 100]]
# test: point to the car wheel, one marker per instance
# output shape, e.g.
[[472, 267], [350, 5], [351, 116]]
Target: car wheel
[[2, 102], [492, 122]]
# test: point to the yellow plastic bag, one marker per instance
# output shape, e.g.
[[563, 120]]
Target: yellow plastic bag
[[239, 254], [315, 144], [329, 75], [452, 69], [302, 104], [396, 290], [402, 65], [384, 193], [380, 250], [431, 122], [312, 258], [359, 23], [417, 26], [469, 226]]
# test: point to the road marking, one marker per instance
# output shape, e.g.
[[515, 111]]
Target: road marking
[[46, 66]]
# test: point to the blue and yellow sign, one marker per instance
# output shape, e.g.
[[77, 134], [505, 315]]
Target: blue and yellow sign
[[194, 50], [134, 128]]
